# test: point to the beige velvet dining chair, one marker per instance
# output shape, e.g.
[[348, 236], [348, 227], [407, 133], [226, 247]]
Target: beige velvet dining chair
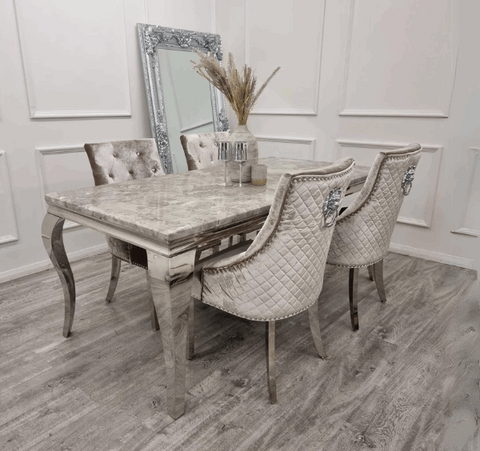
[[201, 148], [363, 231], [120, 161], [281, 272], [201, 152]]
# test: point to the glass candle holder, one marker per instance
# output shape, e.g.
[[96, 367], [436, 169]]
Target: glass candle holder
[[224, 156], [240, 156]]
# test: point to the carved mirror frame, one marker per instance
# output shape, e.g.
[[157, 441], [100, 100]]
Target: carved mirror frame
[[151, 38]]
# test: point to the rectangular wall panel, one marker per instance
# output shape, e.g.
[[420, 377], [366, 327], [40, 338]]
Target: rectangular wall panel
[[284, 147], [470, 221], [417, 208], [401, 58], [288, 34], [63, 169], [197, 15], [8, 223], [74, 57]]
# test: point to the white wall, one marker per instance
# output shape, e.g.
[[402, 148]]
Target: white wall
[[70, 74], [361, 76], [356, 77]]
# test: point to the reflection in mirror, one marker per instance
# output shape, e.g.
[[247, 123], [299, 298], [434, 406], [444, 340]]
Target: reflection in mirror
[[179, 101], [188, 105]]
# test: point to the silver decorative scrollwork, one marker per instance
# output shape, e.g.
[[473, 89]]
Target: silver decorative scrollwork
[[408, 179], [214, 46], [223, 120], [152, 38], [184, 38], [330, 206]]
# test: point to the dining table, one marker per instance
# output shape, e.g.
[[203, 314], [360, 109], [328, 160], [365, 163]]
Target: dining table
[[172, 217]]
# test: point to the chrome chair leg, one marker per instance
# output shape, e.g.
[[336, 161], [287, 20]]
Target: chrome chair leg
[[353, 295], [378, 271], [315, 328], [191, 330], [270, 342], [116, 266], [371, 272]]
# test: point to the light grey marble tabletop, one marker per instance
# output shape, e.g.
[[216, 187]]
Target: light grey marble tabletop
[[175, 206]]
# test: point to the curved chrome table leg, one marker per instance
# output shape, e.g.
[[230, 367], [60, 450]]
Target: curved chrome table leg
[[52, 236], [115, 275], [153, 311]]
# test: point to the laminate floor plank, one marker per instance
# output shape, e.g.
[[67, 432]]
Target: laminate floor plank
[[407, 380]]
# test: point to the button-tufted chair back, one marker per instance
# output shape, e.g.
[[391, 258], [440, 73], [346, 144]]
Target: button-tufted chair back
[[201, 149], [363, 231], [120, 161], [281, 273]]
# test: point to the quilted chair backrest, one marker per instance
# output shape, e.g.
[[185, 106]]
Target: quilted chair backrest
[[201, 149], [363, 232], [120, 161], [282, 270]]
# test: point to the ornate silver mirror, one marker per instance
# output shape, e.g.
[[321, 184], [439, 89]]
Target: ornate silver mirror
[[179, 100]]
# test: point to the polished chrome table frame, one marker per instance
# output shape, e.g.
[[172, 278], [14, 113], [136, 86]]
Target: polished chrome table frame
[[171, 217]]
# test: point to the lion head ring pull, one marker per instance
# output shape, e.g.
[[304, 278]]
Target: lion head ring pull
[[330, 206], [408, 179]]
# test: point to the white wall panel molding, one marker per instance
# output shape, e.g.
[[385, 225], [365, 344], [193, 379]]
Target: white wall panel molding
[[418, 209], [195, 15], [401, 58], [145, 9], [431, 255], [8, 225], [292, 34], [286, 147], [32, 268], [214, 16], [41, 154], [471, 215], [74, 58]]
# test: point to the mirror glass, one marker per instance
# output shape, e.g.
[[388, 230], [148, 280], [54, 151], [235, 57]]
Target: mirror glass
[[179, 100], [188, 105]]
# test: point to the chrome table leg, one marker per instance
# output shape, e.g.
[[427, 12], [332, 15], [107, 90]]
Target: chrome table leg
[[52, 236], [171, 284], [116, 266]]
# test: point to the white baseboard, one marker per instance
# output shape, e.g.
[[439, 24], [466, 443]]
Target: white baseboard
[[16, 273], [434, 256]]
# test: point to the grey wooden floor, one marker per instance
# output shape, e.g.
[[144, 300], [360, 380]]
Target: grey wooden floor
[[407, 380]]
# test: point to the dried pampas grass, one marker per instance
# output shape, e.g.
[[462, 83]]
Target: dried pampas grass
[[238, 87]]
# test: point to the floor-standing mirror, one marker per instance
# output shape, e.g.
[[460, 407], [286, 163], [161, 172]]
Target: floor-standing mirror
[[179, 100]]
